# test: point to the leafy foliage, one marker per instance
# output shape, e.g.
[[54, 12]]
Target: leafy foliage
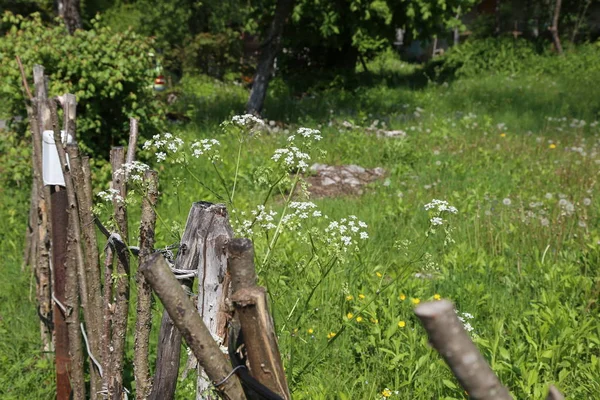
[[110, 73]]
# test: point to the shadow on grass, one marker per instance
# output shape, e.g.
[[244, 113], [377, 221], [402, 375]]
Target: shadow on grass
[[524, 101]]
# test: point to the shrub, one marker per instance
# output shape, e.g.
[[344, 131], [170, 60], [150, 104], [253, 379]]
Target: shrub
[[110, 74]]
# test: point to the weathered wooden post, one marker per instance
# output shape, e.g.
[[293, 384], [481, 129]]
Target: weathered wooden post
[[189, 323], [203, 251], [251, 310]]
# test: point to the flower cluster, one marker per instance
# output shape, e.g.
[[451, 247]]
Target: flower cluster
[[110, 195], [133, 171], [345, 232], [464, 317], [163, 145], [206, 147], [439, 206], [246, 121], [293, 158]]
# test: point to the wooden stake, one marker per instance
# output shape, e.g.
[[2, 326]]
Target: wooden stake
[[89, 266], [143, 324], [448, 337], [250, 301], [120, 278], [202, 248], [189, 323]]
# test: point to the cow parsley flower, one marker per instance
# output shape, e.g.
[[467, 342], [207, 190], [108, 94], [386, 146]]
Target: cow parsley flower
[[133, 171]]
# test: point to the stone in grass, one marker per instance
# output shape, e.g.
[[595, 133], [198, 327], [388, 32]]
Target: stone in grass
[[339, 180]]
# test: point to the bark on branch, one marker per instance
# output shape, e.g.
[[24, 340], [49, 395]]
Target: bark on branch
[[144, 305], [448, 337], [189, 323]]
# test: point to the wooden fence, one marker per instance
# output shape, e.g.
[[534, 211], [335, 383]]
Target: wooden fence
[[83, 304]]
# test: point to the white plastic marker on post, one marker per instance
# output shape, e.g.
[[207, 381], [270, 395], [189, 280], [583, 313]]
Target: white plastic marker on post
[[52, 170]]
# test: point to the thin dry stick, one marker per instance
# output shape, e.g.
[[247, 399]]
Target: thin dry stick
[[250, 301], [448, 337], [107, 309], [554, 394], [91, 277], [121, 278], [40, 197], [143, 324], [189, 323], [30, 237], [72, 316], [133, 138]]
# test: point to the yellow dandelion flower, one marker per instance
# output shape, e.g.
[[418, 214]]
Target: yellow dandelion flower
[[416, 301], [374, 320], [330, 335], [401, 324], [310, 331], [503, 134], [350, 315], [349, 297], [378, 274], [437, 297], [403, 297], [552, 146], [386, 392], [359, 319], [361, 296]]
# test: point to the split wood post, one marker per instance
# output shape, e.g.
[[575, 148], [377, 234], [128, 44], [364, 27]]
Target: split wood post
[[75, 275], [120, 278], [449, 338], [143, 324], [40, 121], [214, 233], [202, 248], [251, 309], [189, 323]]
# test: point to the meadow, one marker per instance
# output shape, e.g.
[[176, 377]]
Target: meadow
[[515, 151]]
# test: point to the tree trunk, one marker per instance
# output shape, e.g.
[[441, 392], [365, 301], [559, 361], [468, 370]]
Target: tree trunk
[[497, 18], [269, 50], [68, 10], [554, 27]]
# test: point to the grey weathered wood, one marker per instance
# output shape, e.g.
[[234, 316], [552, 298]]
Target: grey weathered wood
[[144, 299], [448, 337], [189, 323], [213, 280], [206, 233]]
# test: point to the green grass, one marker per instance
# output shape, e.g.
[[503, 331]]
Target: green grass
[[524, 260]]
